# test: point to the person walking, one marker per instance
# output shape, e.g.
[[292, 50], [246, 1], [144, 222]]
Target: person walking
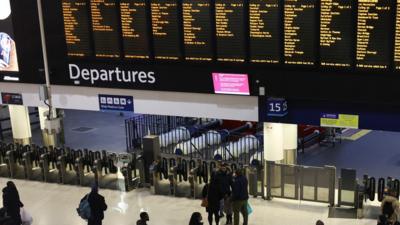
[[97, 206], [12, 203], [240, 196], [212, 193], [196, 219], [144, 217]]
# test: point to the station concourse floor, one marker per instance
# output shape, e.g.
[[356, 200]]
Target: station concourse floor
[[376, 154], [53, 204]]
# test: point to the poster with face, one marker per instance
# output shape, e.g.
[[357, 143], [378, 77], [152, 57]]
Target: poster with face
[[8, 51]]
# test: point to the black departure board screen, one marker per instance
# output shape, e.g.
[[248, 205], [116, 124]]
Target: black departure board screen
[[373, 33], [76, 27], [197, 29], [264, 25], [164, 19], [105, 28], [336, 33], [300, 32], [397, 38], [134, 29], [229, 23]]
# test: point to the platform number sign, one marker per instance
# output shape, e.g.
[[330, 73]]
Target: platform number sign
[[277, 107], [116, 103]]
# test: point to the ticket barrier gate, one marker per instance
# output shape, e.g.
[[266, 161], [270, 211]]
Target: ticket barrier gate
[[179, 178], [85, 169], [33, 163], [16, 162], [160, 172], [117, 173], [255, 176]]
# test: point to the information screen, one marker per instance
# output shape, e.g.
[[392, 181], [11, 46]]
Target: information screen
[[397, 38], [164, 19], [197, 30], [229, 19], [105, 28], [76, 23], [135, 29], [336, 33], [374, 34], [8, 49], [264, 31], [300, 32]]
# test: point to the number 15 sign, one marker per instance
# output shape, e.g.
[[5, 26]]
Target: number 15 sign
[[277, 107]]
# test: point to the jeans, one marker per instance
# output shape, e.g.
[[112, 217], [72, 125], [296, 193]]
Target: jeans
[[240, 206]]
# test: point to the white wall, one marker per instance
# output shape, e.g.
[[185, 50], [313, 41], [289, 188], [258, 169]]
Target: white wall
[[146, 102]]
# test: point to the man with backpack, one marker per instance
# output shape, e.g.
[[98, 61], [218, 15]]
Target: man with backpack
[[92, 207]]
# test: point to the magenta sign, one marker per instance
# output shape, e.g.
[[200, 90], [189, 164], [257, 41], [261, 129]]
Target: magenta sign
[[230, 83]]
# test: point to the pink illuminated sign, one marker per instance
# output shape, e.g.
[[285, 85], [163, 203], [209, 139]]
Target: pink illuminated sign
[[229, 83]]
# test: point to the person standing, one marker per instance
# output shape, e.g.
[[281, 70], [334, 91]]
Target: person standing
[[144, 217], [213, 195], [196, 219], [12, 203], [240, 196], [97, 206]]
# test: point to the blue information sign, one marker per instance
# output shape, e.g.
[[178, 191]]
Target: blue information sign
[[116, 103], [277, 107]]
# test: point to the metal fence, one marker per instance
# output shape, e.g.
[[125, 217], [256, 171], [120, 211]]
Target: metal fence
[[298, 182], [139, 126]]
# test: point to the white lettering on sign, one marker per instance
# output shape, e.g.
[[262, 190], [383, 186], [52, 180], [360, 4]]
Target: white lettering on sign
[[77, 73]]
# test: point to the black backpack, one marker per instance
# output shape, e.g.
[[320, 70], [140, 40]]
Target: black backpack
[[387, 209]]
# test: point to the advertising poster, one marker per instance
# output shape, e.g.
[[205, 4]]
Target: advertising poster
[[8, 51]]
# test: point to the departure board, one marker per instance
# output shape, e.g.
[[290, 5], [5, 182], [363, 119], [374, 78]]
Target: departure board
[[336, 33], [134, 29], [197, 30], [164, 19], [264, 32], [397, 38], [229, 23], [76, 27], [105, 28], [300, 32], [373, 34]]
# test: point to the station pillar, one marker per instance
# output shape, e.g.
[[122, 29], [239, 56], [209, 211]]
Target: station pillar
[[51, 128], [273, 142], [290, 143], [20, 124]]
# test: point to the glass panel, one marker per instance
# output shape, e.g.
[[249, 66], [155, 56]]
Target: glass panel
[[290, 191], [289, 182], [308, 193], [348, 196], [323, 194], [276, 173]]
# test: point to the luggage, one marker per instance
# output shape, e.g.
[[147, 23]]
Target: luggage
[[26, 218]]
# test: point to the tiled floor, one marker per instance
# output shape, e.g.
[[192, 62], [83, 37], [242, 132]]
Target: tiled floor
[[52, 204]]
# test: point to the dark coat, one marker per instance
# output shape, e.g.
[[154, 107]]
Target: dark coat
[[12, 203], [213, 194], [224, 181], [97, 206], [239, 189]]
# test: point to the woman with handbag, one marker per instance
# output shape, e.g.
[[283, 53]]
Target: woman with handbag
[[211, 200]]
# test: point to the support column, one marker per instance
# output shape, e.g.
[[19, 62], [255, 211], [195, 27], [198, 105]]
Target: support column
[[290, 144], [273, 152], [20, 124], [51, 129], [273, 142]]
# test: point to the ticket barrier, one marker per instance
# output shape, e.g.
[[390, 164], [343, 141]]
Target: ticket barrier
[[85, 169], [179, 178], [116, 172], [16, 162], [255, 176], [33, 163], [160, 172]]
